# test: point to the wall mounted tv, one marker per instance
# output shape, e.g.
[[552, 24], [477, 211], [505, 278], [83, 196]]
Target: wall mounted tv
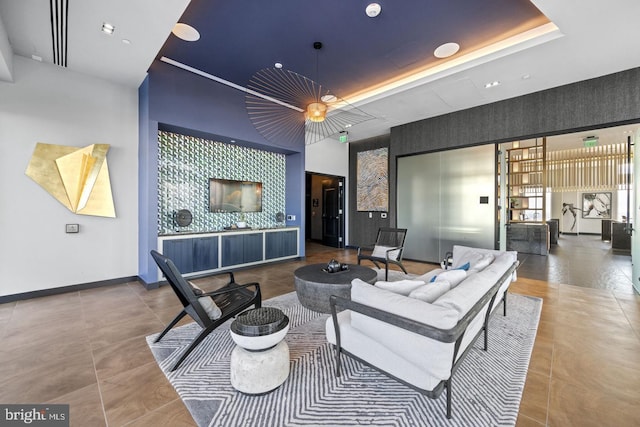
[[227, 195]]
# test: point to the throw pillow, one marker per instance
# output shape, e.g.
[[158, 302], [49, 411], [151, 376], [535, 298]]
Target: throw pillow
[[431, 292], [402, 287], [466, 256], [482, 264], [207, 303], [426, 277], [464, 267], [381, 252], [454, 277]]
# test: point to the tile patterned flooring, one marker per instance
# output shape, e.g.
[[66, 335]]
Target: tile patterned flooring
[[87, 348]]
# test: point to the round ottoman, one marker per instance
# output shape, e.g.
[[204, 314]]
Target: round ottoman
[[260, 361]]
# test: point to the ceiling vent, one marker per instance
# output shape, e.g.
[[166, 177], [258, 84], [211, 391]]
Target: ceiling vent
[[59, 30]]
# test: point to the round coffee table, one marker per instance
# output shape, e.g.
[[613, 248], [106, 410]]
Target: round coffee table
[[314, 286]]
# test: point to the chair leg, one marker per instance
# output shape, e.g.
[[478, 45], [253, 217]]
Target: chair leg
[[193, 345], [171, 325]]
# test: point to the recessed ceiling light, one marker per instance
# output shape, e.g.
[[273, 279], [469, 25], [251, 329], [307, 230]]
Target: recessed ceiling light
[[446, 50], [348, 125], [526, 76], [185, 32], [126, 41], [373, 10], [328, 98], [278, 65], [36, 58], [108, 28], [491, 84]]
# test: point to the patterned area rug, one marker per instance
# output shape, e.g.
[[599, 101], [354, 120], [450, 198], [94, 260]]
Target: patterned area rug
[[487, 387]]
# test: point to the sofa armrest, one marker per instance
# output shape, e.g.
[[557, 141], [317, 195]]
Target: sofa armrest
[[411, 325]]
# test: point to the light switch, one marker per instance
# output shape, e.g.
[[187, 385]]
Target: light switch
[[72, 228]]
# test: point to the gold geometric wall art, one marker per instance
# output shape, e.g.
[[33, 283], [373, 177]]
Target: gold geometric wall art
[[77, 177]]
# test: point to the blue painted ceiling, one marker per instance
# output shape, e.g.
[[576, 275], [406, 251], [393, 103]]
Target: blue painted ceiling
[[240, 37]]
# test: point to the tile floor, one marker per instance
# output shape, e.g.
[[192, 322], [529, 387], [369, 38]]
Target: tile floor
[[87, 348]]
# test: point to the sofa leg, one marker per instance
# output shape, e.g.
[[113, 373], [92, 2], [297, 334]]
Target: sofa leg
[[504, 302], [448, 385], [486, 338]]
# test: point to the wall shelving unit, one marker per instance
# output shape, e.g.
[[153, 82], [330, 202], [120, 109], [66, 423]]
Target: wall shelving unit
[[526, 180]]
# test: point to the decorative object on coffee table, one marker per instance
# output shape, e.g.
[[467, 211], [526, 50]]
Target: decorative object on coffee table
[[260, 361], [314, 284], [335, 266]]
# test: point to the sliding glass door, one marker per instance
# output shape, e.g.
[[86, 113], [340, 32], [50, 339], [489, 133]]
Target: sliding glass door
[[447, 198]]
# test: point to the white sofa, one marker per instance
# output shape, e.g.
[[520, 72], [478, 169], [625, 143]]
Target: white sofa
[[420, 341]]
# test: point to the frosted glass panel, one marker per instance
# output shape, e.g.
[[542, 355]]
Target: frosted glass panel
[[439, 201]]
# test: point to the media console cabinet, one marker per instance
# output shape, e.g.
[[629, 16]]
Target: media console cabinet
[[202, 253]]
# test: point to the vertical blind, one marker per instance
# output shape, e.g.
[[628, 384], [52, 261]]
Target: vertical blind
[[595, 168]]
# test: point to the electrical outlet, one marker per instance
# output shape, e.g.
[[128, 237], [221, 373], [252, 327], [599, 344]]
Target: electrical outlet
[[72, 228], [370, 214], [291, 217]]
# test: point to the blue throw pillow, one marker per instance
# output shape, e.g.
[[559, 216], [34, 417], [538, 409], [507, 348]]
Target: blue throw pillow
[[464, 267]]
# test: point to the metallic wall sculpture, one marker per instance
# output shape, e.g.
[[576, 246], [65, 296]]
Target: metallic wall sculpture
[[77, 177]]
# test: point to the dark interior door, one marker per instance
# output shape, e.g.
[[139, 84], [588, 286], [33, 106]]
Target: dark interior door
[[331, 214]]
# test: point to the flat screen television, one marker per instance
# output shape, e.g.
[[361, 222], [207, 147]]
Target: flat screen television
[[228, 195]]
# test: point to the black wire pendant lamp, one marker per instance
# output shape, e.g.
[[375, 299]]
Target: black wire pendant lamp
[[286, 107]]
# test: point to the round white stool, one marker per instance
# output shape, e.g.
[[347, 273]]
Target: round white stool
[[260, 361], [258, 372]]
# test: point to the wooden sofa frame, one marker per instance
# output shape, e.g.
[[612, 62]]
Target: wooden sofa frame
[[453, 335]]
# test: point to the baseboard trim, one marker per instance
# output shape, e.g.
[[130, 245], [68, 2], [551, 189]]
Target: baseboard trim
[[156, 285], [67, 289], [581, 234]]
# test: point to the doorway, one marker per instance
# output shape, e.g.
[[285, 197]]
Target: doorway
[[324, 209]]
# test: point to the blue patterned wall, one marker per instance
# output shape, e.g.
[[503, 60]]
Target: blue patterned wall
[[185, 165]]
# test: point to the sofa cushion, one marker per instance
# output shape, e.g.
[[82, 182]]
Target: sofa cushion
[[426, 277], [378, 355], [461, 254], [404, 306], [464, 296], [483, 263], [409, 345], [431, 291], [402, 287], [454, 277], [466, 256]]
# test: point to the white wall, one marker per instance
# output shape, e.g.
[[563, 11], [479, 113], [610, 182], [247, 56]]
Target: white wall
[[583, 225], [332, 158], [49, 104]]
